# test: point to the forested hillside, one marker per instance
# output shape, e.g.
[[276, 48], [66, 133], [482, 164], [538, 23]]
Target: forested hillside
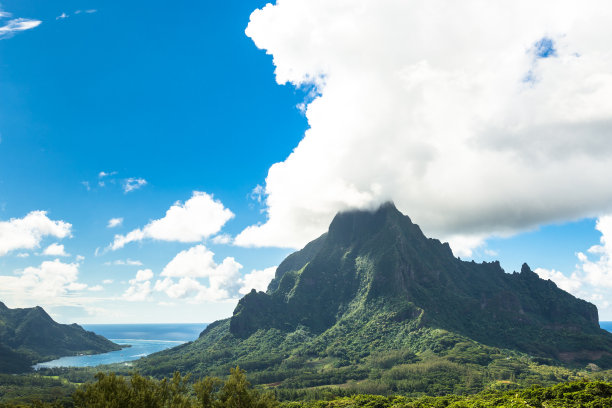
[[28, 336], [375, 303]]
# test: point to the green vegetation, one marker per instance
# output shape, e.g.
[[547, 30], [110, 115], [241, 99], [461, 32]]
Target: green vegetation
[[29, 336], [582, 394], [373, 305], [111, 390]]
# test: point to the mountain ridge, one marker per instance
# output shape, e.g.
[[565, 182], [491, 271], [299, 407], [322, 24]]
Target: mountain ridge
[[375, 284], [30, 335]]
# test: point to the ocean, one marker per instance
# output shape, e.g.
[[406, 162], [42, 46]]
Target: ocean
[[144, 339]]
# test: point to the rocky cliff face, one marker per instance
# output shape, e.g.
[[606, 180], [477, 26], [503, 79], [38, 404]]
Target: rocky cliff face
[[371, 260], [374, 286]]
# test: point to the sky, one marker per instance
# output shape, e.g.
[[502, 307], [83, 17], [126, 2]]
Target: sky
[[159, 161]]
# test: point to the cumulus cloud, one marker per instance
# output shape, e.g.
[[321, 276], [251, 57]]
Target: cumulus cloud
[[598, 272], [182, 274], [28, 232], [257, 279], [222, 239], [14, 25], [194, 275], [140, 287], [45, 283], [114, 222], [127, 262], [459, 112], [198, 218], [55, 250], [133, 183], [592, 278]]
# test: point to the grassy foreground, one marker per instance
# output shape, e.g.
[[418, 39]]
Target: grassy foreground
[[111, 390]]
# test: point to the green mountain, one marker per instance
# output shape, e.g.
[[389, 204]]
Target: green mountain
[[373, 295], [29, 336]]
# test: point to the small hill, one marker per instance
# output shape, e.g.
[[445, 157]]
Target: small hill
[[373, 295], [29, 336]]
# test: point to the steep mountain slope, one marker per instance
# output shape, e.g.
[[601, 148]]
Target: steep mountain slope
[[30, 335], [374, 284]]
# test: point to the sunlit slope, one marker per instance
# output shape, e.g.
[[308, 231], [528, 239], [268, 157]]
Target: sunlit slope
[[375, 286]]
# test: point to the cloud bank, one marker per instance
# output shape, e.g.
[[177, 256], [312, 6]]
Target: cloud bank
[[476, 118], [48, 283], [28, 232], [198, 218]]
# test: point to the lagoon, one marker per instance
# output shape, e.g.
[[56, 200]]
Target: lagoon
[[144, 339]]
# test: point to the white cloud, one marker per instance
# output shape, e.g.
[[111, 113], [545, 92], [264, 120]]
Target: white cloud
[[592, 278], [447, 108], [107, 281], [45, 283], [27, 232], [22, 255], [103, 176], [62, 16], [183, 288], [598, 272], [140, 286], [222, 239], [9, 28], [138, 292], [258, 193], [200, 217], [142, 275], [132, 183], [55, 250], [257, 279], [97, 288], [569, 284], [195, 263], [114, 222], [79, 258], [128, 262]]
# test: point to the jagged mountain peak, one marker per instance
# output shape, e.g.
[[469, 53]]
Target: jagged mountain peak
[[380, 260], [372, 284]]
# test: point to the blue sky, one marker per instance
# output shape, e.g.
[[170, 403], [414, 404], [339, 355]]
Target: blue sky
[[250, 142]]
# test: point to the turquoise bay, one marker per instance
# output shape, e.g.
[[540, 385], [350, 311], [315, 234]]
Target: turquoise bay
[[143, 339]]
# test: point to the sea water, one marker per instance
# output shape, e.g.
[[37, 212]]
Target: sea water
[[143, 339]]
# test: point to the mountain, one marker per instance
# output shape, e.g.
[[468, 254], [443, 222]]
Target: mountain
[[374, 288], [29, 336]]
